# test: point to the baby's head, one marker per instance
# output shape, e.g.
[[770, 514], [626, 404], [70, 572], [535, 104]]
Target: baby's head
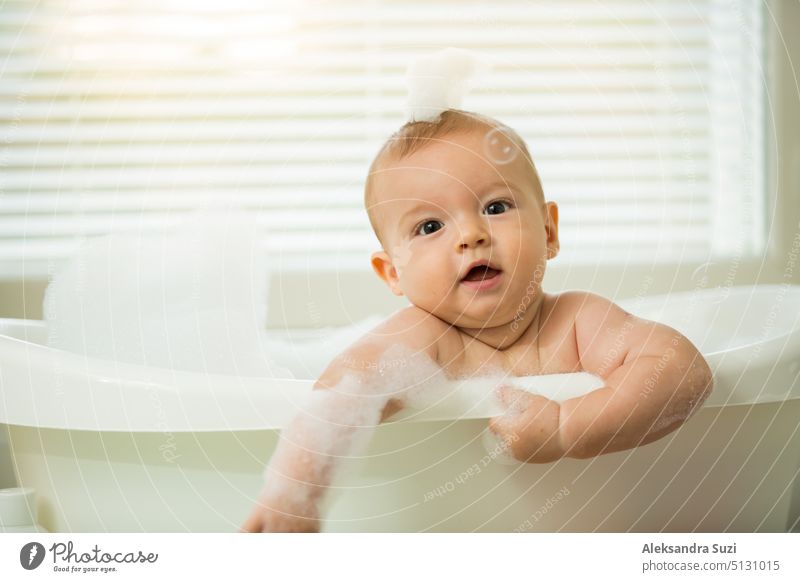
[[444, 195]]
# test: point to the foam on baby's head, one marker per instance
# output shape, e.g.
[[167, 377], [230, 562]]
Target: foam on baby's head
[[501, 145]]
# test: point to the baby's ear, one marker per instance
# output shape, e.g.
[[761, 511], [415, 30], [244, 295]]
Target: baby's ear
[[382, 265], [551, 228]]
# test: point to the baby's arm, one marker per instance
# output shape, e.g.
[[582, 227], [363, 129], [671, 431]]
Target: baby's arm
[[654, 380], [360, 388]]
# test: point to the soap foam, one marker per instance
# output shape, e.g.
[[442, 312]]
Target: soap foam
[[308, 357], [497, 450], [440, 81], [193, 298], [335, 426]]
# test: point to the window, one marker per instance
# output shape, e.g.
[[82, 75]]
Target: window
[[644, 119]]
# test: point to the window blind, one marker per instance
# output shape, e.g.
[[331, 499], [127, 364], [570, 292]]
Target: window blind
[[644, 119]]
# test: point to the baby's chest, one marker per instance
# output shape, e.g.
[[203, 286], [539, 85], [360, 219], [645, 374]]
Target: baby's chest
[[551, 354]]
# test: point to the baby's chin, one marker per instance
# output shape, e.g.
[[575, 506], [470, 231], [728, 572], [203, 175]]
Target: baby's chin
[[469, 320]]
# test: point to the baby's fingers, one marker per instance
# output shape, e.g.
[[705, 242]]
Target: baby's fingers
[[514, 399], [499, 425], [506, 431], [508, 428]]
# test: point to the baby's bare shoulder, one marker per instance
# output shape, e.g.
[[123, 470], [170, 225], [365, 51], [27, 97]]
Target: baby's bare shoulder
[[566, 319], [410, 329], [583, 311], [580, 304], [600, 329]]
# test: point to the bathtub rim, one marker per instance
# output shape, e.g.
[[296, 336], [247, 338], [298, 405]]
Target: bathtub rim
[[168, 383]]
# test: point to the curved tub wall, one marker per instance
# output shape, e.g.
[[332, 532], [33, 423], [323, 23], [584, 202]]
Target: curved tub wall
[[161, 459], [727, 469]]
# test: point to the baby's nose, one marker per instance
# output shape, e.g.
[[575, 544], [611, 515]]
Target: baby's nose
[[473, 234]]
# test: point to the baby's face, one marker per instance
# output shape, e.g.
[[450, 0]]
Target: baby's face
[[452, 204]]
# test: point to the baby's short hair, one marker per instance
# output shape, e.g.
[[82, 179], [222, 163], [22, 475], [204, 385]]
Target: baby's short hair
[[414, 135]]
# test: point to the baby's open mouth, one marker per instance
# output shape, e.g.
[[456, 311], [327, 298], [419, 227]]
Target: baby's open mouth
[[481, 273]]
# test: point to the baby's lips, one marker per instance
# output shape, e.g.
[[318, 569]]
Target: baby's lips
[[481, 263]]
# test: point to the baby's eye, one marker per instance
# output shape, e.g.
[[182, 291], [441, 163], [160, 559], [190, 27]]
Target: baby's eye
[[498, 207], [428, 227]]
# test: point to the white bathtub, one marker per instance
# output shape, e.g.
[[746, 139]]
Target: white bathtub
[[124, 448]]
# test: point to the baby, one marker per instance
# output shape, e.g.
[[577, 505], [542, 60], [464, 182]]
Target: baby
[[466, 234]]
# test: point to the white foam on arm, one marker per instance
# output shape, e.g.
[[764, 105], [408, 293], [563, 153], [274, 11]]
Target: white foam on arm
[[333, 426], [336, 425]]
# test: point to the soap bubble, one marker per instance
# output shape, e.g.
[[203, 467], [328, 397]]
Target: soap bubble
[[499, 147], [701, 279]]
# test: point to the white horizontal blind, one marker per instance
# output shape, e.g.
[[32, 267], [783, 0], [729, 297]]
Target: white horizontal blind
[[644, 119]]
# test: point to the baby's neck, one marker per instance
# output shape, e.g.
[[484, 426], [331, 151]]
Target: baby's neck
[[502, 337]]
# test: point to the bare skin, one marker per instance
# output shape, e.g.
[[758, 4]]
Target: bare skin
[[434, 225]]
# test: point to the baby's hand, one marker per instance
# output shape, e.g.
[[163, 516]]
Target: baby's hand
[[266, 518], [530, 426]]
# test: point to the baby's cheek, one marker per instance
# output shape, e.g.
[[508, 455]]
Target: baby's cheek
[[417, 286], [426, 271]]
